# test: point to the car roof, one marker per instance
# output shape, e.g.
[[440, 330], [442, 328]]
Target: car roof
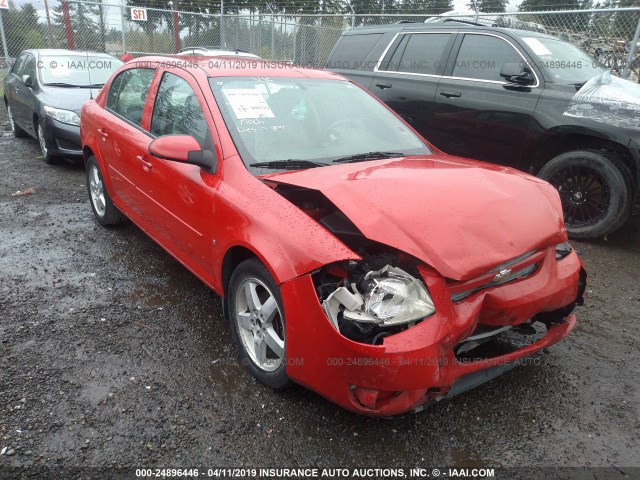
[[448, 25], [62, 52], [216, 66]]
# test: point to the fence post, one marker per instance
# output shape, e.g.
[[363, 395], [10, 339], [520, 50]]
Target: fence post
[[632, 51], [67, 25], [4, 43], [273, 35], [223, 40], [124, 43]]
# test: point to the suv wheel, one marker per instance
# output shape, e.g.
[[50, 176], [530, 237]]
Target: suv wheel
[[595, 189]]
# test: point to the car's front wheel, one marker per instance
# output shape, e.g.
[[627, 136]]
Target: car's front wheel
[[104, 211], [15, 129], [44, 148], [595, 189], [257, 322]]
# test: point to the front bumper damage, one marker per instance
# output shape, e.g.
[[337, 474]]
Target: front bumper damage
[[423, 364]]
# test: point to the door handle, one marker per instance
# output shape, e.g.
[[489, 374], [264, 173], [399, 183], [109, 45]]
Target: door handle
[[450, 94], [104, 133], [146, 164], [383, 85]]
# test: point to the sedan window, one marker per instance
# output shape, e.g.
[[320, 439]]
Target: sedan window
[[18, 64], [128, 93], [177, 110]]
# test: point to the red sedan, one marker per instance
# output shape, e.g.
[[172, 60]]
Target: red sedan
[[353, 257]]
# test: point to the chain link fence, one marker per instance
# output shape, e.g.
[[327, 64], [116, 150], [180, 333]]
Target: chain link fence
[[609, 35]]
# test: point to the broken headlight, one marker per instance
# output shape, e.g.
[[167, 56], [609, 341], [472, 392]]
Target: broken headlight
[[385, 297]]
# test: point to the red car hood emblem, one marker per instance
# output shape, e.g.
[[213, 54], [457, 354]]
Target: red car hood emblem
[[461, 217]]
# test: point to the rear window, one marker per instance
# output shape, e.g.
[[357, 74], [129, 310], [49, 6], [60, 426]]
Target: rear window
[[351, 51]]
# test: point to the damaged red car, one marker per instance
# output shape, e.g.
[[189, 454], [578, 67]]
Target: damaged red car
[[353, 257]]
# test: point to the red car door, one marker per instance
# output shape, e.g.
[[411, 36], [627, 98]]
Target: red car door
[[178, 197], [123, 141]]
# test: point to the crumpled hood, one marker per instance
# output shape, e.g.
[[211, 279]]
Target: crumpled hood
[[461, 217], [608, 99]]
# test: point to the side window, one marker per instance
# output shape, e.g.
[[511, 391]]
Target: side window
[[482, 57], [352, 50], [16, 66], [423, 53], [30, 68], [128, 93], [177, 110]]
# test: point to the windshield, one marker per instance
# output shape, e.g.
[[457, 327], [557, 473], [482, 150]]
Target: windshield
[[308, 120], [565, 62], [76, 70]]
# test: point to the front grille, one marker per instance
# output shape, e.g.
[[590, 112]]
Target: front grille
[[514, 275]]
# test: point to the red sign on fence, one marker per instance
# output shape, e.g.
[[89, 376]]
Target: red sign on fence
[[137, 14], [4, 4]]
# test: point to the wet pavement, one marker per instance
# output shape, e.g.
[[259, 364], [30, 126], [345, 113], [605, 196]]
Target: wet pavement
[[112, 354]]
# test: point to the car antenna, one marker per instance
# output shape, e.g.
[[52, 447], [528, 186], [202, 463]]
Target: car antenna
[[89, 73]]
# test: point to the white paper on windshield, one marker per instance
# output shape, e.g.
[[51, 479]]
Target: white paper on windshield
[[60, 70], [248, 103], [537, 46]]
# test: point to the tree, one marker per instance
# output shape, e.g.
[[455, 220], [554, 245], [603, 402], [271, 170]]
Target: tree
[[22, 29], [86, 32], [489, 6]]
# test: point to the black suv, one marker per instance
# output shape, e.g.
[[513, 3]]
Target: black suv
[[512, 97]]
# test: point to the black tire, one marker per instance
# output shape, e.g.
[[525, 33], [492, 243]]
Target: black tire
[[15, 129], [596, 191], [42, 142], [104, 211], [272, 372]]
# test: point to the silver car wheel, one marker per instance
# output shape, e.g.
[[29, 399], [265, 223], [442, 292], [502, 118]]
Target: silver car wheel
[[260, 324], [42, 141], [11, 122], [96, 187]]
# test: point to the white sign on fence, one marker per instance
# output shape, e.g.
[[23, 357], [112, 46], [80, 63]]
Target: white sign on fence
[[4, 4], [138, 14]]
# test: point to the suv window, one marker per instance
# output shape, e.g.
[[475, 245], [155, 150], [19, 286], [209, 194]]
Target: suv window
[[18, 64], [177, 110], [482, 57], [421, 53], [351, 51], [128, 93]]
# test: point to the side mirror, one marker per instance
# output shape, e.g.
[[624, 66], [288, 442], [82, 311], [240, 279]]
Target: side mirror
[[516, 73], [183, 149], [27, 80]]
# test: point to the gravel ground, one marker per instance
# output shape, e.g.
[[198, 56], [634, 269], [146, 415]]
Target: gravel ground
[[112, 354]]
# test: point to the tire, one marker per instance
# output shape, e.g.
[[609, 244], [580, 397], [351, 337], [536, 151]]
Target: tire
[[104, 211], [15, 129], [258, 329], [42, 142], [596, 191]]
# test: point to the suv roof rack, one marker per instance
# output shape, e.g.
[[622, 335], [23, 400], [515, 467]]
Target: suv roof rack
[[468, 22], [215, 47]]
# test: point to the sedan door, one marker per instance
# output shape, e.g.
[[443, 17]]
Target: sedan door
[[478, 114], [123, 140], [26, 99], [178, 197], [408, 76]]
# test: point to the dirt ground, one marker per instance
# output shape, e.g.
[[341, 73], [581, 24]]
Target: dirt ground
[[114, 355]]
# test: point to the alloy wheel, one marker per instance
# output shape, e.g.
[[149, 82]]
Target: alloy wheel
[[260, 324], [96, 188], [42, 141]]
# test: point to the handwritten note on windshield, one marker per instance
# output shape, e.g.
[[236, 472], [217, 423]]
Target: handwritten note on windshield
[[247, 103]]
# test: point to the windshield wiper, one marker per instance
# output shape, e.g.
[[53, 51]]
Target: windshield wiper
[[288, 164], [368, 156], [62, 84]]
